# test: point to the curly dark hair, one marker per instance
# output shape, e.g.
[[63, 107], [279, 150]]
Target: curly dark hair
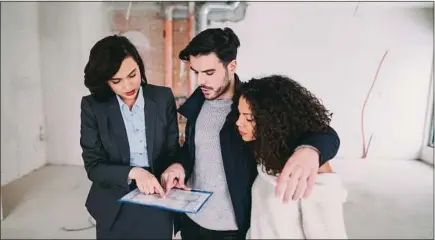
[[283, 112]]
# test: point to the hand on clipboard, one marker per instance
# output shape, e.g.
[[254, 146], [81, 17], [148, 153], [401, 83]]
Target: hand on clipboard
[[177, 200], [146, 182], [174, 176]]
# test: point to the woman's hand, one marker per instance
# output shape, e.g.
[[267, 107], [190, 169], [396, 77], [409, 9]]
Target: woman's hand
[[146, 181], [299, 174]]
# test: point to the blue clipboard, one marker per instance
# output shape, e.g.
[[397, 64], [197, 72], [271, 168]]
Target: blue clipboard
[[178, 200]]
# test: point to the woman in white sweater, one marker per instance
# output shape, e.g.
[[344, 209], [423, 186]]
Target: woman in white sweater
[[275, 112]]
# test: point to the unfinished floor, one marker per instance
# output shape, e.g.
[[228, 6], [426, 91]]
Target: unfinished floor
[[387, 199]]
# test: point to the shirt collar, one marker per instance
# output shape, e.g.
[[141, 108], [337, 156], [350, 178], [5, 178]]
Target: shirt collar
[[138, 104]]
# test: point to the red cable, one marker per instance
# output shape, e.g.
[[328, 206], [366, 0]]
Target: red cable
[[364, 106]]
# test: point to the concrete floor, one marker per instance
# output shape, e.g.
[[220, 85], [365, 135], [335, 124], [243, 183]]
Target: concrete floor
[[387, 199]]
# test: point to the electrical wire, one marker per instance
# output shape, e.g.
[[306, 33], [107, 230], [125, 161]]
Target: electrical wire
[[92, 225], [364, 154]]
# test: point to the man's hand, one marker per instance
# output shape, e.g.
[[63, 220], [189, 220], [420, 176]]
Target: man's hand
[[146, 181], [174, 176], [299, 174]]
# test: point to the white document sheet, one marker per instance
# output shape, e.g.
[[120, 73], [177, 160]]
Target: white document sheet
[[177, 200]]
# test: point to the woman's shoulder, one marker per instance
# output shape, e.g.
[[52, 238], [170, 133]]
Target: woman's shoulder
[[88, 100], [91, 101]]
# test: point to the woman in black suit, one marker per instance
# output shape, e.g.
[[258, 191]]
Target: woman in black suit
[[129, 135]]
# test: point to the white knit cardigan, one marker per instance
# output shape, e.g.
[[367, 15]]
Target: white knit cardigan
[[318, 217]]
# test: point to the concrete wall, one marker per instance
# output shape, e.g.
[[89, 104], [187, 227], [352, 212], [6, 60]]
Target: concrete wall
[[334, 49], [22, 113], [44, 48], [68, 31]]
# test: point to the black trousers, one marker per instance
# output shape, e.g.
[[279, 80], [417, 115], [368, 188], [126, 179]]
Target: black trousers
[[139, 222], [190, 230]]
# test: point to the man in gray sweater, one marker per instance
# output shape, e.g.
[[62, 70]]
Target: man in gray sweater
[[215, 158]]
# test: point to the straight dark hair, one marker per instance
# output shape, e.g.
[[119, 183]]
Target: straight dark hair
[[222, 42], [105, 59]]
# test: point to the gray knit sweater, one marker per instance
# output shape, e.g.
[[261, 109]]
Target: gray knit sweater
[[208, 172]]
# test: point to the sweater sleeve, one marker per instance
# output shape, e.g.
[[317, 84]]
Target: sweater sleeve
[[327, 143]]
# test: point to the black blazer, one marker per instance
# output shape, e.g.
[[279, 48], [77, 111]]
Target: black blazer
[[106, 152], [238, 158]]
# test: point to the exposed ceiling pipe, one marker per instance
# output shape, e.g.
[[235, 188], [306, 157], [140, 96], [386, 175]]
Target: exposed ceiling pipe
[[208, 7], [169, 65]]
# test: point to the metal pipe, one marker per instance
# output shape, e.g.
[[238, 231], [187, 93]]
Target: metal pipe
[[169, 65], [127, 14], [191, 20], [190, 33], [208, 7]]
